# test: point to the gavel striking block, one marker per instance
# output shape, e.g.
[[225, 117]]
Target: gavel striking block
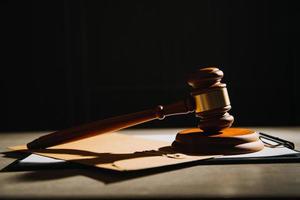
[[210, 102], [214, 135]]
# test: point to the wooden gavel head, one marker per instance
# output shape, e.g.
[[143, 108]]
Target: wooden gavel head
[[211, 99]]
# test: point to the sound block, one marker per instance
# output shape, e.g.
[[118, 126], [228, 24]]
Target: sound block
[[228, 141]]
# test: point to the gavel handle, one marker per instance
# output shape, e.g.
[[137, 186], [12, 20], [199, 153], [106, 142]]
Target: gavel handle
[[111, 124]]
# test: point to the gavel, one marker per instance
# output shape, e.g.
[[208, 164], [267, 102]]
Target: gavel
[[208, 99]]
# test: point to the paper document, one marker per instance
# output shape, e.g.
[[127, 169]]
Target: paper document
[[35, 159], [117, 152]]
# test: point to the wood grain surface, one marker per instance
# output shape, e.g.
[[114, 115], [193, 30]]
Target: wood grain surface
[[200, 181]]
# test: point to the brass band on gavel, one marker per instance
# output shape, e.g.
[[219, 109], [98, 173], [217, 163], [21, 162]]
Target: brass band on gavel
[[212, 99]]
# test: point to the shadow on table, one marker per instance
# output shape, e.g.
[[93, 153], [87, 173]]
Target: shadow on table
[[103, 175], [51, 171]]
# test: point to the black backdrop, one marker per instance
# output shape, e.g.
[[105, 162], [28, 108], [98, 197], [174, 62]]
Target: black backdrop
[[68, 62]]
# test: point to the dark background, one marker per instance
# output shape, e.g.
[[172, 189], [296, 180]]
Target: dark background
[[68, 62]]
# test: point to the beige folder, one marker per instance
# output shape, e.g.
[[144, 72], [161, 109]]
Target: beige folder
[[117, 151]]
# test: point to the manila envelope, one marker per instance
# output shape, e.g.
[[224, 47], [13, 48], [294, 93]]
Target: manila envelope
[[118, 152]]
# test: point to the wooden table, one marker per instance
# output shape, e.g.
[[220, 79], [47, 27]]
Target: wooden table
[[202, 181]]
